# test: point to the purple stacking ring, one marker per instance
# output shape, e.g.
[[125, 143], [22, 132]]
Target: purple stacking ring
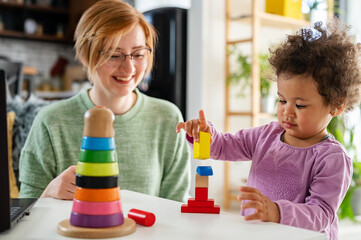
[[96, 221]]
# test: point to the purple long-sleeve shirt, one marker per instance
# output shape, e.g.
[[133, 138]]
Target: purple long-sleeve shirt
[[308, 184]]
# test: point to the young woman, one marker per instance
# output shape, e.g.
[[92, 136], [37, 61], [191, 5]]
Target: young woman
[[116, 46]]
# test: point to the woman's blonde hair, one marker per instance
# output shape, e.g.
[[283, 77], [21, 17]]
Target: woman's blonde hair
[[102, 26]]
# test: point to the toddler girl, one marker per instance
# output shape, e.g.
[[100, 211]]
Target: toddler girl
[[300, 173]]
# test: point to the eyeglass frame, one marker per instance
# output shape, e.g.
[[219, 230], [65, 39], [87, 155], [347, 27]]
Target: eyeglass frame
[[124, 56]]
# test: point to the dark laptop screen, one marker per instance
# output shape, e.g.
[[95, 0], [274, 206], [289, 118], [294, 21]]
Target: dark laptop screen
[[4, 166]]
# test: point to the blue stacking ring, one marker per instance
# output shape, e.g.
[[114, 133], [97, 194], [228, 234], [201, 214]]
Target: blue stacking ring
[[96, 143]]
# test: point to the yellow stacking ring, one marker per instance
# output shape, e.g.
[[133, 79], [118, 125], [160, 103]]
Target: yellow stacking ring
[[97, 169]]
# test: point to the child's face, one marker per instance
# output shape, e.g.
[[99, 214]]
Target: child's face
[[301, 110]]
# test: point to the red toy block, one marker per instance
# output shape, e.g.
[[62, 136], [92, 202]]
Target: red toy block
[[142, 217], [187, 209], [195, 203], [201, 194]]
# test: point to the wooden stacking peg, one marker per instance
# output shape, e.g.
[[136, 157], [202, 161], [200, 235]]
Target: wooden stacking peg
[[98, 122], [97, 209]]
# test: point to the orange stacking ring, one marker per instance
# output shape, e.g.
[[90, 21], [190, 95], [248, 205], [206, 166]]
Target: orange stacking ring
[[97, 195]]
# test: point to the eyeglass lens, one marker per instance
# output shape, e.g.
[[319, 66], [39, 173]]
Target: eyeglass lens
[[138, 57]]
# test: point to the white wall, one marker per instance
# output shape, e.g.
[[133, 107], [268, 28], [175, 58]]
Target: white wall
[[205, 86]]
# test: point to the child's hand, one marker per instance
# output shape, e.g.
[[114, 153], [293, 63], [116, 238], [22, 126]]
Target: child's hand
[[266, 210], [193, 127]]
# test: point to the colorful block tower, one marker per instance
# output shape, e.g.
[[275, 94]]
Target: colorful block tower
[[201, 203], [97, 205]]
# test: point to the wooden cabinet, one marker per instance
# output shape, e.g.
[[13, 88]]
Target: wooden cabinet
[[257, 19], [54, 22]]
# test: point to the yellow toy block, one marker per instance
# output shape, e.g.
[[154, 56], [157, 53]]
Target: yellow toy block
[[202, 149], [287, 8]]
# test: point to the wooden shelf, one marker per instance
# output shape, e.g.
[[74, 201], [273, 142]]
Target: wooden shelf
[[251, 114], [48, 9], [11, 4], [231, 42], [43, 37], [275, 21], [11, 33], [256, 19], [35, 7], [50, 18]]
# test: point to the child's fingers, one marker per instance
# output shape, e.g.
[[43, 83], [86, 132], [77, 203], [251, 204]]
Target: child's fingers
[[180, 126], [255, 216], [189, 128], [248, 189], [202, 118], [203, 125], [195, 130], [252, 204], [248, 196]]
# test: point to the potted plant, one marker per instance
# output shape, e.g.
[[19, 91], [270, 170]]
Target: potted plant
[[351, 205], [267, 100], [242, 76]]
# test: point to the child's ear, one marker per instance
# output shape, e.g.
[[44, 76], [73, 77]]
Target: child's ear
[[338, 109]]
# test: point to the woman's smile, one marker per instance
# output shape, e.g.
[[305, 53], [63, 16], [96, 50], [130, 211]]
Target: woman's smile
[[123, 80]]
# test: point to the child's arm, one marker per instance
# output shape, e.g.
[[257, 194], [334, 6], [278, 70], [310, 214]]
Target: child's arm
[[226, 146], [194, 126]]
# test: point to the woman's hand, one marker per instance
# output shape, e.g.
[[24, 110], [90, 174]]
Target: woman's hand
[[63, 186], [266, 210], [193, 127]]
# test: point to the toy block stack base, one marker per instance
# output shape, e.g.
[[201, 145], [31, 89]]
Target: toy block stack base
[[97, 208], [201, 203]]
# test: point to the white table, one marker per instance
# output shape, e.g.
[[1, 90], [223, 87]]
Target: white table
[[170, 223]]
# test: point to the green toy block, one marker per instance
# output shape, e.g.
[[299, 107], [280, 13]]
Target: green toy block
[[202, 149]]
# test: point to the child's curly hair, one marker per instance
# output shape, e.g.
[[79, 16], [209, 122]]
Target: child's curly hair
[[329, 55]]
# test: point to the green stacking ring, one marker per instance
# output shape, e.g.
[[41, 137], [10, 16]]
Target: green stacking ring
[[92, 156], [97, 169]]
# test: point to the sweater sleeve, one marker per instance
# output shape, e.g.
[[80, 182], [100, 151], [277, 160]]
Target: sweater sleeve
[[37, 162], [235, 147], [331, 179], [176, 175]]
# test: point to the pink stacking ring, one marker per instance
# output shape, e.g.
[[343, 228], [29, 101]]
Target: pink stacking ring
[[97, 208], [96, 221]]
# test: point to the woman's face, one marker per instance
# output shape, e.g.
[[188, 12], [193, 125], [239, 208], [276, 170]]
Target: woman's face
[[119, 80]]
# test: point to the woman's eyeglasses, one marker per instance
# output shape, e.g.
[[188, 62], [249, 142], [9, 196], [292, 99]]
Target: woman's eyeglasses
[[138, 57]]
